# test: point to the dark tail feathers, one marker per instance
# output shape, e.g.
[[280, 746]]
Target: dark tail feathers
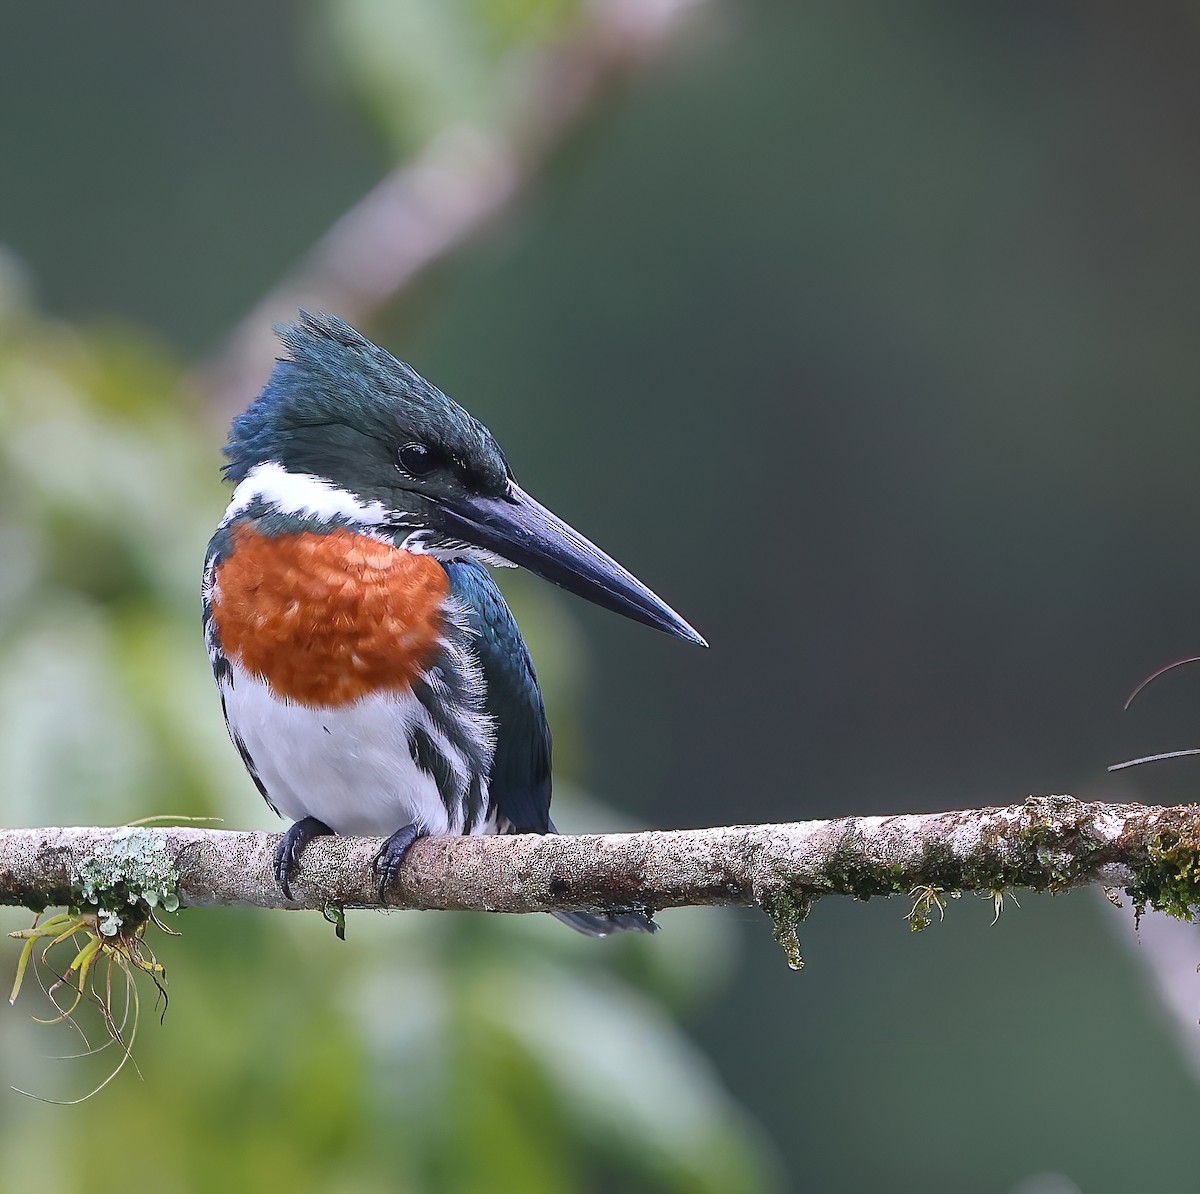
[[600, 924]]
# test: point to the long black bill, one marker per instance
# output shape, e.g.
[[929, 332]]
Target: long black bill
[[524, 532]]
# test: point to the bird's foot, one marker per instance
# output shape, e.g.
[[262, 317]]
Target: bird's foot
[[291, 846], [391, 856]]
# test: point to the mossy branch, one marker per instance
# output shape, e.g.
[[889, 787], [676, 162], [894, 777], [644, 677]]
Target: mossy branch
[[1048, 843]]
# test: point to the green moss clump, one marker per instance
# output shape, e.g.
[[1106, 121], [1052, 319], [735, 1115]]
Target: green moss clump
[[1169, 880], [848, 873], [786, 910], [925, 902]]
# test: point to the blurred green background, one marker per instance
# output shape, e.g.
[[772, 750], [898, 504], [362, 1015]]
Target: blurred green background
[[866, 334]]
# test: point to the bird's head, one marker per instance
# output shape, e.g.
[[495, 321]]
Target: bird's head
[[343, 429]]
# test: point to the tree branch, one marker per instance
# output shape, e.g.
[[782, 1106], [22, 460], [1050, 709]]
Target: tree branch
[[1049, 843]]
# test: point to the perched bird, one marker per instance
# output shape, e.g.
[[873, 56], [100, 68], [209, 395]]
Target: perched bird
[[372, 677]]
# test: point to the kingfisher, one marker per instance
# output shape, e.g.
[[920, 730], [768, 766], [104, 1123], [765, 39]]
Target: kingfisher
[[372, 677]]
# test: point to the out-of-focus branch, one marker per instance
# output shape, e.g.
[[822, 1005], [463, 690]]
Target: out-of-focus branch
[[449, 192], [1168, 950], [1049, 843]]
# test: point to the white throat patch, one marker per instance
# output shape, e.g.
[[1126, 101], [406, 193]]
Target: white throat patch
[[305, 495], [424, 542]]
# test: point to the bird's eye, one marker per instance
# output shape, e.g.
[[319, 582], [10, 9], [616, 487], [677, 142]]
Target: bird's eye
[[415, 459]]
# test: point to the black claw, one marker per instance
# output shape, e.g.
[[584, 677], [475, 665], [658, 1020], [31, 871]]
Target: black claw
[[291, 846], [391, 856]]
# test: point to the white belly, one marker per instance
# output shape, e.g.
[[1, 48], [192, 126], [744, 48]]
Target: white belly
[[348, 766]]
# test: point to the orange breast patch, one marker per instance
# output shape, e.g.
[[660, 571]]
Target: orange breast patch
[[327, 618]]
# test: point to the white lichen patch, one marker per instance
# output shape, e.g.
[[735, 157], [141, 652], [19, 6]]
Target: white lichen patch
[[965, 837], [1107, 825], [868, 826], [132, 866]]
